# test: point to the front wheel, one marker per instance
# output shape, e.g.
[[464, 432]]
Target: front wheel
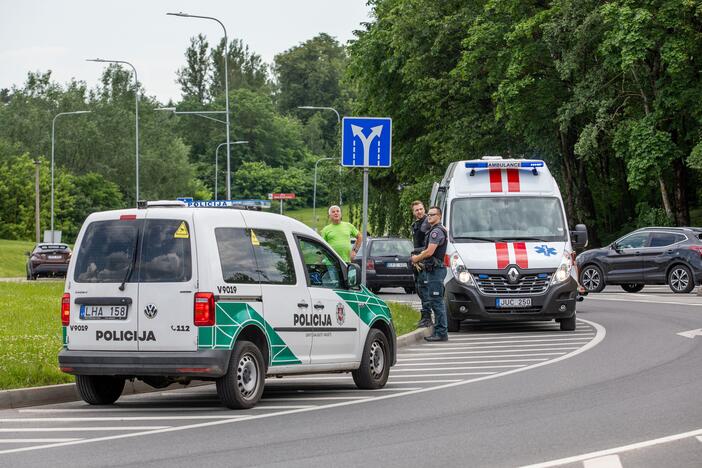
[[242, 386], [592, 279], [632, 287], [375, 289], [375, 362], [99, 389], [680, 279]]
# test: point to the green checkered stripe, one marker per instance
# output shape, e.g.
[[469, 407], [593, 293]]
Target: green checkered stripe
[[230, 319], [366, 305]]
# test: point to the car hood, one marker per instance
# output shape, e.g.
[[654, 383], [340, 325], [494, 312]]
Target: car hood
[[498, 255]]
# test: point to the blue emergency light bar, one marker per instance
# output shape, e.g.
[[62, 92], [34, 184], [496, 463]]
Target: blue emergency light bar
[[226, 203]]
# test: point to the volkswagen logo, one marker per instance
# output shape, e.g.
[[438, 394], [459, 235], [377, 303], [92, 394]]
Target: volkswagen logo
[[513, 275], [150, 311]]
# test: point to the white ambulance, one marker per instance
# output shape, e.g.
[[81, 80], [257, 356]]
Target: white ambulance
[[510, 254], [167, 293]]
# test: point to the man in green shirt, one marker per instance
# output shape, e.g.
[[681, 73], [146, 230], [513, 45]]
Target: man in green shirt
[[339, 233]]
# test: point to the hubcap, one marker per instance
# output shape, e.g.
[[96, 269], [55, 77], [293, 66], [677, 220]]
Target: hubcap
[[679, 279], [377, 360], [247, 376], [591, 279]]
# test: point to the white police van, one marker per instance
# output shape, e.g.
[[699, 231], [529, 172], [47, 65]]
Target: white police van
[[166, 293], [510, 254]]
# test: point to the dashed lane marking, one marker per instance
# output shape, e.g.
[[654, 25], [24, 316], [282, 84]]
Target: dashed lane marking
[[610, 461], [82, 429], [35, 441]]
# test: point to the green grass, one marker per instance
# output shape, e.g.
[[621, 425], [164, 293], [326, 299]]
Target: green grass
[[404, 316], [304, 215], [13, 261], [30, 334]]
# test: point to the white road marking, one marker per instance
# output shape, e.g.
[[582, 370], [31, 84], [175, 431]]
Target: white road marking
[[304, 398], [542, 337], [442, 358], [420, 381], [531, 340], [430, 369], [439, 375], [35, 441], [610, 461], [440, 352], [691, 333], [118, 418], [601, 333], [452, 347], [82, 429], [512, 334], [121, 409], [646, 302], [452, 362], [699, 438], [615, 450]]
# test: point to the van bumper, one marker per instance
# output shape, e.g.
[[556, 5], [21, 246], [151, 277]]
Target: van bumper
[[556, 303], [196, 364]]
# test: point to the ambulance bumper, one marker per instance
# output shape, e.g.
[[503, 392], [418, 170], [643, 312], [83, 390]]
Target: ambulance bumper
[[468, 303], [197, 364]]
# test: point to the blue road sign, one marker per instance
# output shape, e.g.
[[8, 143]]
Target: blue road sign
[[366, 142]]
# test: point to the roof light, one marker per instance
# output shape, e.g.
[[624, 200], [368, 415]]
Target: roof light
[[129, 217]]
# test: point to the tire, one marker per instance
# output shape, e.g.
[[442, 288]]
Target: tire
[[99, 389], [409, 290], [592, 279], [680, 279], [375, 362], [453, 325], [568, 324], [632, 287], [375, 289], [242, 386]]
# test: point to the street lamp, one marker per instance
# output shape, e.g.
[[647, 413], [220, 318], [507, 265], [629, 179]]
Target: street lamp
[[239, 142], [136, 94], [338, 123], [314, 191], [53, 139], [226, 89]]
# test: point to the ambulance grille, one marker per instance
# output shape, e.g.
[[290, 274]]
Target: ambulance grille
[[535, 283]]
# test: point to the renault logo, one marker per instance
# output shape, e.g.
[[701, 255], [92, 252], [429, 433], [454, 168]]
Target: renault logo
[[150, 311], [513, 275]]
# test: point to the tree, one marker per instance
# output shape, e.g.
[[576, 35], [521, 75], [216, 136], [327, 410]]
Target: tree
[[194, 77]]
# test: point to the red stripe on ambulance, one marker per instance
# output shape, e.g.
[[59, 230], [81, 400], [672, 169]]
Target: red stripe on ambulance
[[502, 255], [495, 180], [513, 180], [520, 253]]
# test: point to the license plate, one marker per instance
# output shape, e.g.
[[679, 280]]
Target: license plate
[[103, 312], [514, 302], [397, 265], [55, 257]]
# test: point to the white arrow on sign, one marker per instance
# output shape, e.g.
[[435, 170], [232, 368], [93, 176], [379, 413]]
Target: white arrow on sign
[[691, 333], [366, 140]]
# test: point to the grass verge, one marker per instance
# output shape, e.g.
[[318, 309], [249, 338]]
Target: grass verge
[[404, 316], [30, 334], [13, 261]]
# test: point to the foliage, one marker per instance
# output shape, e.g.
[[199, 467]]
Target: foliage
[[13, 258]]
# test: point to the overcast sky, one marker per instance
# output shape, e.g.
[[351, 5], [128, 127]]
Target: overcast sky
[[60, 34]]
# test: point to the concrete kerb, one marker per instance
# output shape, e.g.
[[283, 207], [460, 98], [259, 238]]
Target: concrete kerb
[[52, 394]]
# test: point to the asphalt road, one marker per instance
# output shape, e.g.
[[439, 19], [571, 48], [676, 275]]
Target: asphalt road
[[624, 389]]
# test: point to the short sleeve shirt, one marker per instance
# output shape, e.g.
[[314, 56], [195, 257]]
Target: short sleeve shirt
[[436, 236], [339, 236]]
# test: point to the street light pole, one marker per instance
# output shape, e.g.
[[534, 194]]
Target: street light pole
[[226, 89], [53, 140], [314, 191], [338, 124], [239, 142], [136, 113]]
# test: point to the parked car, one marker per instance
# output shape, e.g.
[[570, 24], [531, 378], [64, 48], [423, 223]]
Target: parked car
[[48, 260], [654, 255], [388, 264]]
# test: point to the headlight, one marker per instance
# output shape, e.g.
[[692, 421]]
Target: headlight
[[563, 271], [460, 272]]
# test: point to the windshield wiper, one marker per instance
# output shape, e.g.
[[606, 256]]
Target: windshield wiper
[[132, 262], [483, 239], [523, 238]]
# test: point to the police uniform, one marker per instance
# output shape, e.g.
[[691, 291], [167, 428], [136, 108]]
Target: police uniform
[[420, 228], [435, 273]]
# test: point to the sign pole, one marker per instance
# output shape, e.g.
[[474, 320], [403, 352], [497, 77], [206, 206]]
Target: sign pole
[[281, 206], [365, 226]]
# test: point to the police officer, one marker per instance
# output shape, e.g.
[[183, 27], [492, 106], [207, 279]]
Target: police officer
[[432, 260], [420, 227]]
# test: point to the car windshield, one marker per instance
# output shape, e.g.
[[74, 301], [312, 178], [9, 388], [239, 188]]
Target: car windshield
[[391, 248], [507, 219]]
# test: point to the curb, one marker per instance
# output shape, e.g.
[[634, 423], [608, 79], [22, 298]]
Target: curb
[[63, 393]]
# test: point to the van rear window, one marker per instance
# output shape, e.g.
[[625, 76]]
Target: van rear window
[[109, 248]]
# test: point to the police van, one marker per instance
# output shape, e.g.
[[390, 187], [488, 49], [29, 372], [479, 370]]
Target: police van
[[167, 293], [510, 254]]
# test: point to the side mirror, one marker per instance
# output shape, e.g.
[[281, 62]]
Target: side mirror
[[578, 238], [616, 247], [353, 275]]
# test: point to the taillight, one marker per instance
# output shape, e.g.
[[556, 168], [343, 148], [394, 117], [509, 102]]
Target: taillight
[[697, 248], [204, 309], [127, 217], [370, 265], [65, 309]]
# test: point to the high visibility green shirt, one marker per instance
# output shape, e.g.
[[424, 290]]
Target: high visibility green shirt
[[339, 237]]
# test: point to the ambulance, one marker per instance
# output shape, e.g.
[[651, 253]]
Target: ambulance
[[510, 255], [167, 293]]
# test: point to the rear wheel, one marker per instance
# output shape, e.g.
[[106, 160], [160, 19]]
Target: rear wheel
[[632, 287], [375, 362], [453, 325], [568, 324], [680, 279], [409, 290], [375, 289], [99, 389], [242, 386], [591, 278]]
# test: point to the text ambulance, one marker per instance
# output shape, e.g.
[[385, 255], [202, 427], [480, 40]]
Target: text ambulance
[[167, 293], [510, 254]]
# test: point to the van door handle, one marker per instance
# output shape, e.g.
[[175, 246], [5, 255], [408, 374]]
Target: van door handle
[[303, 305], [319, 306]]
